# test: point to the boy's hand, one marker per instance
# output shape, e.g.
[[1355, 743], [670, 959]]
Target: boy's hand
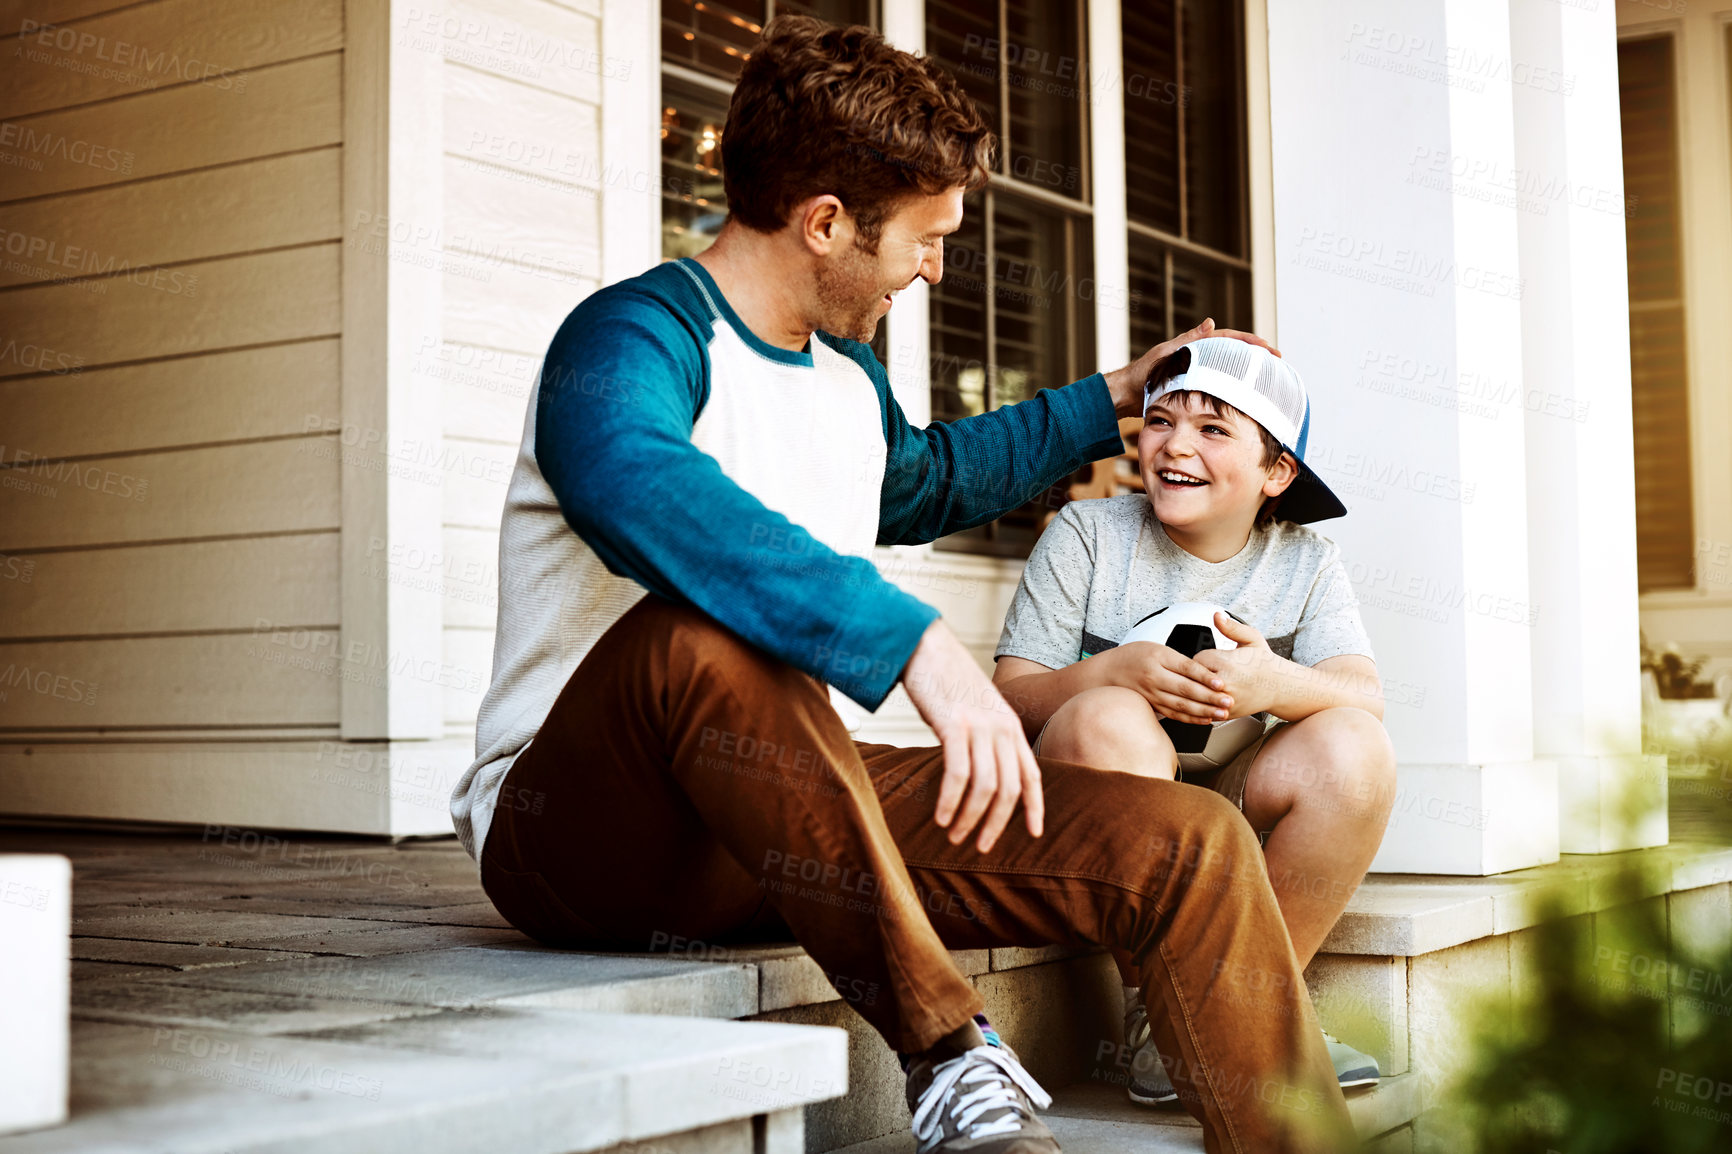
[[1175, 685], [1253, 674]]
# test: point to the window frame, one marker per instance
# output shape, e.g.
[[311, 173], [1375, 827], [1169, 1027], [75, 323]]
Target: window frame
[[986, 540]]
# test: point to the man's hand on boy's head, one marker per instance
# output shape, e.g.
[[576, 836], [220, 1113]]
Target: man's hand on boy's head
[[1254, 676], [1174, 685], [1126, 384]]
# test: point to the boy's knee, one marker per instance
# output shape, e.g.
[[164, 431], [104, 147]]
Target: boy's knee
[[1352, 751], [1111, 705]]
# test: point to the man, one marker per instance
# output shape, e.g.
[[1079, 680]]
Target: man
[[714, 432]]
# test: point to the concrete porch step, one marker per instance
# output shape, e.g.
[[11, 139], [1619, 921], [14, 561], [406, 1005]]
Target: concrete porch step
[[526, 1080], [1092, 1118]]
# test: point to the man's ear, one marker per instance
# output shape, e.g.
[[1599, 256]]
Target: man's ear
[[825, 225], [1284, 473]]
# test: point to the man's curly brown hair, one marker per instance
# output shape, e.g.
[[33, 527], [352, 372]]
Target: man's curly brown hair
[[822, 109]]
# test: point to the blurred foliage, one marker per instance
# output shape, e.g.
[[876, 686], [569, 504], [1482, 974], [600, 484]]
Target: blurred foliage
[[1617, 1038]]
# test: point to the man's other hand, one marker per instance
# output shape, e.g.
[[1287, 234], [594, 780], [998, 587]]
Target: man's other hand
[[1126, 384], [988, 766]]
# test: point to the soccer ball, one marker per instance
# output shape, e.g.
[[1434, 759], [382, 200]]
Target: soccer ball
[[1189, 627]]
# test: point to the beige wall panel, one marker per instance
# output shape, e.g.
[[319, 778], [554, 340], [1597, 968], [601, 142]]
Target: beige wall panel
[[13, 13], [244, 300], [539, 135], [285, 107], [514, 307], [201, 585], [476, 477], [486, 392], [250, 784], [468, 669], [467, 575], [211, 42], [530, 41], [231, 489], [266, 678], [231, 396], [493, 214], [272, 203]]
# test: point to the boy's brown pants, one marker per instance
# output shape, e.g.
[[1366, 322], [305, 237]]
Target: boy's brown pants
[[686, 784]]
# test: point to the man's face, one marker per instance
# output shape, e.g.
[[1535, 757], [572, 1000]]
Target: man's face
[[856, 288], [1201, 468]]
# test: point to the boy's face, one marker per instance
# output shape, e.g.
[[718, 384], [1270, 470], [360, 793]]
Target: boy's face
[[1204, 468]]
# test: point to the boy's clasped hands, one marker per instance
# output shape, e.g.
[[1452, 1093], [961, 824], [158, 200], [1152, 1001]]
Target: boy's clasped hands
[[1215, 685]]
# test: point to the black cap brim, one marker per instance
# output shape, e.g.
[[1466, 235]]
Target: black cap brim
[[1308, 499]]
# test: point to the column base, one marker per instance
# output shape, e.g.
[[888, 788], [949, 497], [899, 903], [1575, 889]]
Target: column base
[[1611, 802], [1471, 819]]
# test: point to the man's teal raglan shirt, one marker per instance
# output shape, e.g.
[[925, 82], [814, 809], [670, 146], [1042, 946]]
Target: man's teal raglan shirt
[[668, 449]]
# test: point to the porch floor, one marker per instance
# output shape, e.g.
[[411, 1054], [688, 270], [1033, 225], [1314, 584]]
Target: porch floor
[[183, 935]]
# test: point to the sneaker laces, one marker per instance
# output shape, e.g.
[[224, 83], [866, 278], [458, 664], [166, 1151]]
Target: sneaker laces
[[996, 1077]]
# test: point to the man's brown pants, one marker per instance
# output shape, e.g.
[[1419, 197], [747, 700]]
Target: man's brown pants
[[686, 784]]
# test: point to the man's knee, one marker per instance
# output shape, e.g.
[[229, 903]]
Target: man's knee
[[1188, 828], [694, 639]]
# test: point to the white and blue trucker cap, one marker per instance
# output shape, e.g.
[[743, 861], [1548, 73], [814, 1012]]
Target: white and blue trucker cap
[[1263, 387]]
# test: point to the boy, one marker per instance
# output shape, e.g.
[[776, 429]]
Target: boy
[[1223, 520]]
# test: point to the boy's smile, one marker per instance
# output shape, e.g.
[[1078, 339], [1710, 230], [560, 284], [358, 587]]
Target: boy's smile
[[1202, 466]]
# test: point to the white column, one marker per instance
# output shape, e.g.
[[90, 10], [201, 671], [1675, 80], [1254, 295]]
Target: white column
[[1112, 243], [1392, 292], [393, 208], [1568, 184], [907, 336], [36, 973], [631, 82]]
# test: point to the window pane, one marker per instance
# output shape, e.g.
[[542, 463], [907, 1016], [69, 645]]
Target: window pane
[[964, 35], [713, 36], [1031, 291], [1148, 297], [958, 326], [1042, 55], [835, 11], [1152, 100], [1659, 384], [1203, 288], [1214, 125], [1650, 167], [693, 203]]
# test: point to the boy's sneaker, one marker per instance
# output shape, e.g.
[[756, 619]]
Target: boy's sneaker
[[1352, 1068], [1150, 1086], [981, 1102]]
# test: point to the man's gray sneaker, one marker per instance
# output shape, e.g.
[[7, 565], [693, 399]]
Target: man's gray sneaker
[[1150, 1086], [982, 1102]]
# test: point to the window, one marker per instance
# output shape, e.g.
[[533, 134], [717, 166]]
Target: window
[[704, 42], [1014, 312], [1659, 383], [1185, 185]]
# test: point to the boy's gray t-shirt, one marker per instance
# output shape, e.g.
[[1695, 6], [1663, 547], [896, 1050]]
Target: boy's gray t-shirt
[[1103, 565]]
